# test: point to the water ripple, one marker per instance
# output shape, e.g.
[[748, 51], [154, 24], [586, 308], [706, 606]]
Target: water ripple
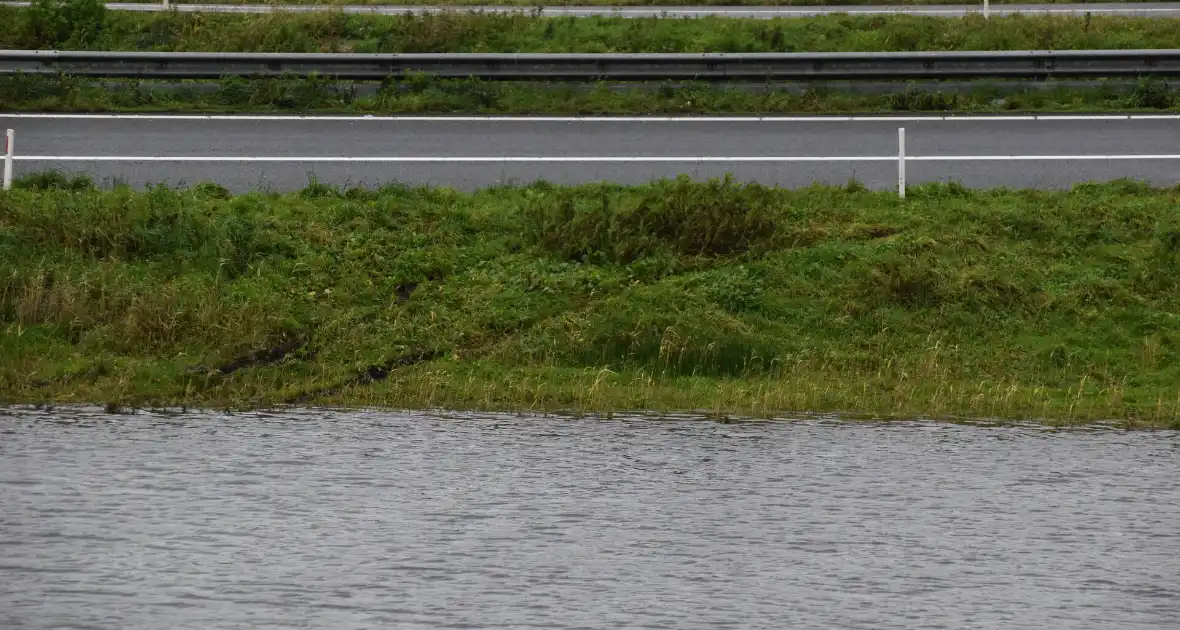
[[331, 519]]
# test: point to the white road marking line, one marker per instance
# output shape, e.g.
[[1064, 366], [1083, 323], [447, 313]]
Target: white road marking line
[[426, 159], [1153, 117], [588, 119], [969, 118], [364, 118], [1034, 158], [570, 159], [1097, 117]]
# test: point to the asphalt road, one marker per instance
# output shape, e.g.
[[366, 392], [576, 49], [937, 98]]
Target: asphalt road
[[1146, 9], [279, 153]]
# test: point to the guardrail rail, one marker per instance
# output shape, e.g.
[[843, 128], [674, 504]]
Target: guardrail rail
[[1018, 64]]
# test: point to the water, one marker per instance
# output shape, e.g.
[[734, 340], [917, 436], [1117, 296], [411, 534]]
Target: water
[[367, 520]]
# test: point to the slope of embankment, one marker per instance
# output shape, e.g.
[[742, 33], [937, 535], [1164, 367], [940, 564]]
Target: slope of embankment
[[740, 299]]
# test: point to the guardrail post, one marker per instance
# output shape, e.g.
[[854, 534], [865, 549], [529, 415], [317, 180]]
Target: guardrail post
[[985, 8], [8, 149], [901, 162]]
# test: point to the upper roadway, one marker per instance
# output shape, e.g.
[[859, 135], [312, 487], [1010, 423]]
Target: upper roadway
[[1145, 9], [282, 153]]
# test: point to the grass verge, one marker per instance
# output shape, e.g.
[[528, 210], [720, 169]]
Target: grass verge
[[86, 25], [656, 3], [65, 94], [1058, 306]]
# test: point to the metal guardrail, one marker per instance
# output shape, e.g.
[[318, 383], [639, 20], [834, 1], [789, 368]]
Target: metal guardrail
[[1025, 64]]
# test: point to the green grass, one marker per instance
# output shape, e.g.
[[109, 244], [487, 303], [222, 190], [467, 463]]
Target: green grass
[[30, 93], [1055, 306], [656, 3], [83, 24]]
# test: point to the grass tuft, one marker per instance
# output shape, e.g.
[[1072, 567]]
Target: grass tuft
[[53, 180], [670, 218]]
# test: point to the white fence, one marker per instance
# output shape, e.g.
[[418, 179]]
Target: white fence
[[902, 159], [9, 149]]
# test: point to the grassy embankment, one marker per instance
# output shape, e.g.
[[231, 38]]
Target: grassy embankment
[[672, 296], [110, 30], [91, 28]]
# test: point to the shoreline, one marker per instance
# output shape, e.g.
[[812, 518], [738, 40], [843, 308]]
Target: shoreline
[[90, 409]]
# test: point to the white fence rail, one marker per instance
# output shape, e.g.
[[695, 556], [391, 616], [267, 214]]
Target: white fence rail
[[901, 158]]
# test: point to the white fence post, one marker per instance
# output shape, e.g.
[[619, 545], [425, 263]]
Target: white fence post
[[165, 4], [985, 8], [901, 162], [9, 139]]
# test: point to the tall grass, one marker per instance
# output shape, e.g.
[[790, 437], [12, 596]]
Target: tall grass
[[525, 4], [672, 295], [36, 93], [82, 24]]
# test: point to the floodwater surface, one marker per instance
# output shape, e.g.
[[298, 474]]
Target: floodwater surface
[[342, 520]]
